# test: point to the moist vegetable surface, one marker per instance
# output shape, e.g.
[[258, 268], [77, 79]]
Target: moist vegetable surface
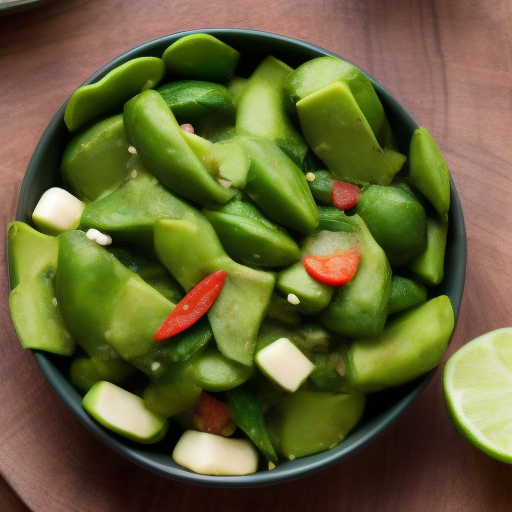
[[247, 257]]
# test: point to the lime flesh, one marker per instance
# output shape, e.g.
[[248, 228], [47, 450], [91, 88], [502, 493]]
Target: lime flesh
[[477, 385]]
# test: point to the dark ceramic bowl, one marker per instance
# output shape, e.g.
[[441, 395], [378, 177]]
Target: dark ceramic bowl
[[382, 409]]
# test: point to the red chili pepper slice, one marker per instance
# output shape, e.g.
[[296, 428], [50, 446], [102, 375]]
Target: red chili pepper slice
[[193, 306], [335, 269], [213, 416], [344, 195]]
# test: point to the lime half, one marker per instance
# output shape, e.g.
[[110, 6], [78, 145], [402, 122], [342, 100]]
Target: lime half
[[477, 385]]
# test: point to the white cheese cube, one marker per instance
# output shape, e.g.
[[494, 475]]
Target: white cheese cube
[[124, 413], [209, 454], [284, 363], [57, 211]]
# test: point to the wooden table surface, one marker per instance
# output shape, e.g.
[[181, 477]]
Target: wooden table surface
[[450, 64]]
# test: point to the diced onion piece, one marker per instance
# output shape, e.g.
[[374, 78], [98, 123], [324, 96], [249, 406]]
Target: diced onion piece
[[57, 211], [284, 363], [209, 454]]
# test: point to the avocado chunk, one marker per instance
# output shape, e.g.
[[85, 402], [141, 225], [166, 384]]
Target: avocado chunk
[[339, 134], [317, 73]]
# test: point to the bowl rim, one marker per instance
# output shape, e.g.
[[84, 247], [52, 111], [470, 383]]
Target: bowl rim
[[289, 470]]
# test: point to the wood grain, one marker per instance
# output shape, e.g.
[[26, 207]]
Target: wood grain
[[450, 64]]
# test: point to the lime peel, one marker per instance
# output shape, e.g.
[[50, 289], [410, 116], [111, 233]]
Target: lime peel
[[477, 384]]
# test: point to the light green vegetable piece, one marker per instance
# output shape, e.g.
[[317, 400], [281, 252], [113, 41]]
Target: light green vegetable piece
[[124, 413], [429, 265], [201, 57], [34, 310], [129, 213], [97, 160], [309, 422], [317, 73], [428, 170], [261, 111], [115, 88], [338, 133], [313, 295], [408, 347]]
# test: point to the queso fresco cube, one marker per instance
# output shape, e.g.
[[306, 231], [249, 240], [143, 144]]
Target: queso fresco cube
[[284, 363]]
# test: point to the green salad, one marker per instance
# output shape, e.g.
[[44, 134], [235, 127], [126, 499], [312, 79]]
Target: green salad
[[247, 257]]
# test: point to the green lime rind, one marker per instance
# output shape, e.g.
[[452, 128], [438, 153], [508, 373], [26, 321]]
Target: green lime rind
[[477, 383]]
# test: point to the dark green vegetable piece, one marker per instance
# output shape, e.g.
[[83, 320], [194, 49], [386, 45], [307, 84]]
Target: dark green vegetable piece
[[321, 186], [329, 372], [201, 57], [84, 372], [212, 371], [172, 397], [249, 238], [152, 128], [114, 89], [192, 99], [396, 220], [129, 213], [279, 187], [405, 293], [308, 422], [248, 416]]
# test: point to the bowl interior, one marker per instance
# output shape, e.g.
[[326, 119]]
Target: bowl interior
[[382, 408]]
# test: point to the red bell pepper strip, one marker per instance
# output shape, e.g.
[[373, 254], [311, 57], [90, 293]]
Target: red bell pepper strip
[[335, 269], [193, 306], [344, 195]]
